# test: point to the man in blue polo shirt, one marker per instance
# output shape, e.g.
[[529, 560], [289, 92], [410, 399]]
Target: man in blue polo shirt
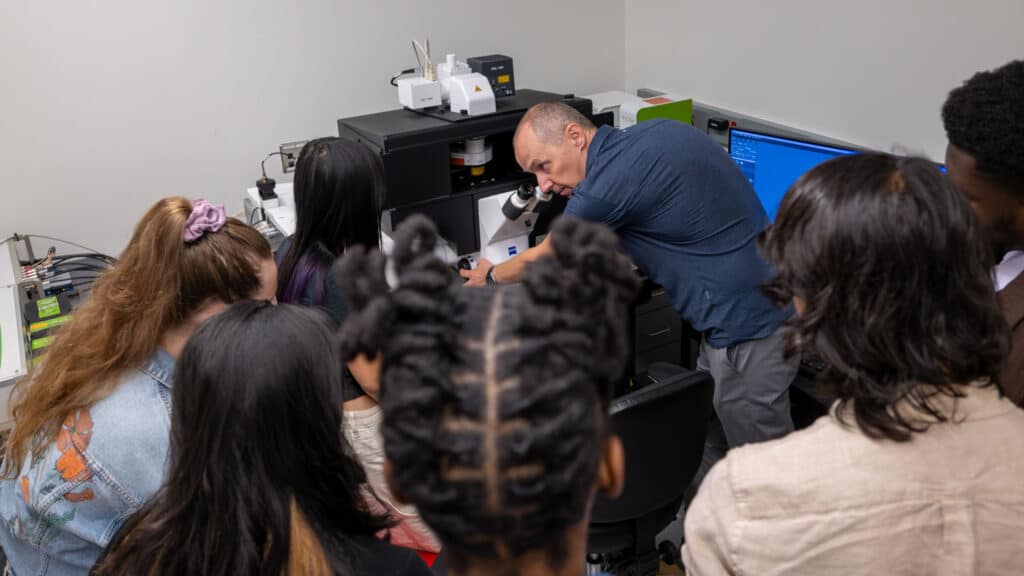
[[689, 219]]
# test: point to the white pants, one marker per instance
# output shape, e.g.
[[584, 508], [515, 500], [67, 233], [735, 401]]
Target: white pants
[[362, 430]]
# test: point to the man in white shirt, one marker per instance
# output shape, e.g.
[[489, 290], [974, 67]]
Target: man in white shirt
[[984, 121]]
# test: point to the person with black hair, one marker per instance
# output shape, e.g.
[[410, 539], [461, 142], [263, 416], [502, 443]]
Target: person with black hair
[[984, 121], [261, 481], [339, 187], [914, 470], [495, 399]]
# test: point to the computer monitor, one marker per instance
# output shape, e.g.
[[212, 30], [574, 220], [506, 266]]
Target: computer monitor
[[773, 164]]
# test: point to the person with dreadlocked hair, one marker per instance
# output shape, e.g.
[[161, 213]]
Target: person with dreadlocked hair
[[495, 399]]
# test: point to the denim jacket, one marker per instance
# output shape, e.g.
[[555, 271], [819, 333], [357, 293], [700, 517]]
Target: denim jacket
[[64, 507]]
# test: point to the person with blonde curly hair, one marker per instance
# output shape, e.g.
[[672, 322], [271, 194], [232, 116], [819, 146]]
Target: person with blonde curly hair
[[91, 426]]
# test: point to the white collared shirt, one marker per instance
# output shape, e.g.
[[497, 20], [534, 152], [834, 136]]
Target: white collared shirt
[[1011, 267]]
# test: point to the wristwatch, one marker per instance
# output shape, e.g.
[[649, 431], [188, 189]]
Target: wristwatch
[[490, 276]]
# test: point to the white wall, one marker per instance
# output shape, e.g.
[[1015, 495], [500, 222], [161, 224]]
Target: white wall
[[108, 105], [872, 72]]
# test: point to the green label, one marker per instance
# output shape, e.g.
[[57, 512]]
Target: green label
[[48, 307], [42, 342], [47, 324]]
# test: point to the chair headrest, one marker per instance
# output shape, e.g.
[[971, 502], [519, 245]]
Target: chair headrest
[[666, 380]]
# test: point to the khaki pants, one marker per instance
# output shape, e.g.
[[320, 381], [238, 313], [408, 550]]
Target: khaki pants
[[362, 430]]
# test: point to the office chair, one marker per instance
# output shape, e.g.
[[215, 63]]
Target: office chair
[[662, 426]]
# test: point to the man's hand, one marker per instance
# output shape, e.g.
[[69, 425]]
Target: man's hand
[[477, 276], [511, 269]]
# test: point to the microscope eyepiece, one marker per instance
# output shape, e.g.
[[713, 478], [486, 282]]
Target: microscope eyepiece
[[517, 202], [525, 191]]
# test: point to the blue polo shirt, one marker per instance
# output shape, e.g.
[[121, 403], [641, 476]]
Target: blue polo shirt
[[689, 219]]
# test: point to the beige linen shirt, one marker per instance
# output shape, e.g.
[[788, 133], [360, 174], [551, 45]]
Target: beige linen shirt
[[829, 500]]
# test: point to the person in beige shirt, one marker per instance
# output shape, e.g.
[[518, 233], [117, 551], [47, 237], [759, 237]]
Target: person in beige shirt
[[919, 467]]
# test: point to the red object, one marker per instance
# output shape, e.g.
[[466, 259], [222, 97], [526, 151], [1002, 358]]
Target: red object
[[428, 557], [658, 100]]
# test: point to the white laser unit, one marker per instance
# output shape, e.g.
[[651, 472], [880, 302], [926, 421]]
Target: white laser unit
[[471, 94], [416, 92]]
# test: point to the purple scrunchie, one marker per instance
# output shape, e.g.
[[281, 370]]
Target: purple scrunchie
[[205, 217]]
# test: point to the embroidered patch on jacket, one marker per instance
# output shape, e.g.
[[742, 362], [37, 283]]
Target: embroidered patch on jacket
[[73, 438]]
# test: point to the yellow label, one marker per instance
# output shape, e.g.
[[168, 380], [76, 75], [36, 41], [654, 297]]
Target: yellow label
[[47, 324], [504, 79], [477, 170], [478, 89]]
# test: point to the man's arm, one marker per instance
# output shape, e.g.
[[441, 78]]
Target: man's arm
[[510, 270]]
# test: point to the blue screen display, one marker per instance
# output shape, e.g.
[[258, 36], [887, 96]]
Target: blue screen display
[[773, 164]]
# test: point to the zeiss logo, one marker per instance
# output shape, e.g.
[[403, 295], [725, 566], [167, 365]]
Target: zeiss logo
[[511, 250]]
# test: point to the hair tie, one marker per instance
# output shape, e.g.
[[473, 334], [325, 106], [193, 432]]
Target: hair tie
[[205, 217]]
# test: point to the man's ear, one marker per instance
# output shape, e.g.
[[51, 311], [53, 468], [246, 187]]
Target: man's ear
[[574, 134], [398, 496], [611, 474]]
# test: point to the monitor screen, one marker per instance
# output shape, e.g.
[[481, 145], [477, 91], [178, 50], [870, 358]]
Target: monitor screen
[[772, 163]]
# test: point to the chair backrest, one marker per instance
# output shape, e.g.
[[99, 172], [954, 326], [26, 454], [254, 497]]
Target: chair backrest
[[662, 428]]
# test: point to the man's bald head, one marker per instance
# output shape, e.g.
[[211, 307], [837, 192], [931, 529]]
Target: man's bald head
[[548, 121], [551, 143]]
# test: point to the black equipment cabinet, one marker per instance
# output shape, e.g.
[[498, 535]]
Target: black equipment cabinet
[[415, 149]]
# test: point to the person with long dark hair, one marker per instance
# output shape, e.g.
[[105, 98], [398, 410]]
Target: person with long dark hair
[[495, 399], [261, 481], [917, 468], [339, 189]]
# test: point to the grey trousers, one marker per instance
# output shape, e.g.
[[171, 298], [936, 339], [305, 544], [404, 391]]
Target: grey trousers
[[751, 388], [751, 400], [752, 381]]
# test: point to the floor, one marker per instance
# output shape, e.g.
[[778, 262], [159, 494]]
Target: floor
[[667, 570]]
